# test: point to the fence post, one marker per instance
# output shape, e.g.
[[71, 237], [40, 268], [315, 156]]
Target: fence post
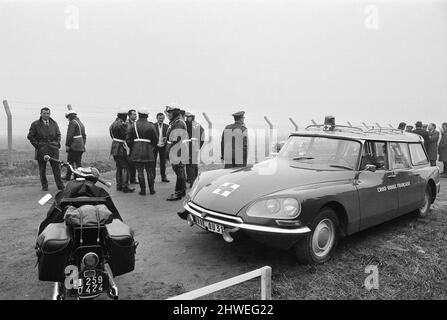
[[266, 284], [9, 116], [210, 131], [270, 134], [294, 124], [365, 125]]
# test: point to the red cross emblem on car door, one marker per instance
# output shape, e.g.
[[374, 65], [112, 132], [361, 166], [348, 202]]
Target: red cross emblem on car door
[[226, 189]]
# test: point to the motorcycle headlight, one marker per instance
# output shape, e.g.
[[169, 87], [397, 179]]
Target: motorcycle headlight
[[278, 208]]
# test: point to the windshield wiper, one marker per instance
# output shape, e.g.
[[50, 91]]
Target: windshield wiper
[[340, 166], [303, 158]]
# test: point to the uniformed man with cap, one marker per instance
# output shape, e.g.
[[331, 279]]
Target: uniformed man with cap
[[234, 143], [75, 141], [176, 134], [195, 142], [142, 139], [120, 150]]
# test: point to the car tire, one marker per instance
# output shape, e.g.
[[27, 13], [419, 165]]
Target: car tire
[[425, 207], [319, 245]]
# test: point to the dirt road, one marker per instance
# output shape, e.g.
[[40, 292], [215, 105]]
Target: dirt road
[[171, 257]]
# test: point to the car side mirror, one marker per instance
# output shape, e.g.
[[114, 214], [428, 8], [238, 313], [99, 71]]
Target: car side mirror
[[370, 167]]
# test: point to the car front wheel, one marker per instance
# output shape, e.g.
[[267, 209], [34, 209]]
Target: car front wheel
[[425, 207], [318, 245]]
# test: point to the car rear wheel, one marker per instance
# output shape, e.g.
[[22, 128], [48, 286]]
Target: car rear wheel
[[425, 207], [318, 245]]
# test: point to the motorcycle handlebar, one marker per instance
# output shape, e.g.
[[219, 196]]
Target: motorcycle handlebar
[[77, 172]]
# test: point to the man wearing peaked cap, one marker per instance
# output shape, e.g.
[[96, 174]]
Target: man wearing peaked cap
[[175, 135], [143, 111], [75, 141], [120, 151], [423, 133], [238, 115], [234, 143], [141, 138]]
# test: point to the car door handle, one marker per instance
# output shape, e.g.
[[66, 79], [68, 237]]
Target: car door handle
[[393, 175]]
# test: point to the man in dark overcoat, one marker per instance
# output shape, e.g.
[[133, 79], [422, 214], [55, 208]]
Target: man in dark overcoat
[[45, 136]]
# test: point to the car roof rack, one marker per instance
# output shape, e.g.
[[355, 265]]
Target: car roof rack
[[336, 128], [385, 131]]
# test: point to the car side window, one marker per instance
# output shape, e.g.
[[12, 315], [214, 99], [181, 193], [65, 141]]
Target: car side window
[[399, 155], [417, 154], [374, 152]]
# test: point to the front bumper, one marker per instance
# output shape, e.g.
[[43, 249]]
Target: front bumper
[[237, 222]]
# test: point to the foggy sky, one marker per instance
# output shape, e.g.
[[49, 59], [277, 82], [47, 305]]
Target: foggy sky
[[303, 59]]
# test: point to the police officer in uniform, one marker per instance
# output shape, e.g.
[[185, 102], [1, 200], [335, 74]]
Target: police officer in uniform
[[176, 134], [75, 141], [234, 143], [119, 151], [131, 118], [142, 139]]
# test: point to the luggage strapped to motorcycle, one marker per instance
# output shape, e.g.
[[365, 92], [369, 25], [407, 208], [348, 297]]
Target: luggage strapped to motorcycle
[[81, 240]]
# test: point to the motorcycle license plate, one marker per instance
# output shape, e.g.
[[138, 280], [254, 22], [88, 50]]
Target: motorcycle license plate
[[210, 226], [93, 282]]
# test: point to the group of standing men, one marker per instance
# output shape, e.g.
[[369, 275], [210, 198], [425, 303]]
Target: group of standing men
[[45, 136], [435, 146], [137, 143]]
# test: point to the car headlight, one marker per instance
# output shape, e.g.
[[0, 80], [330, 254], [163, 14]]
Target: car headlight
[[278, 208]]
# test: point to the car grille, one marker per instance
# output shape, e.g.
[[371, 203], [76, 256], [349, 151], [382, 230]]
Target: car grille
[[208, 213]]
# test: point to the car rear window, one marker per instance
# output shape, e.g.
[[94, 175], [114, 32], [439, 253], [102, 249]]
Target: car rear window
[[417, 153]]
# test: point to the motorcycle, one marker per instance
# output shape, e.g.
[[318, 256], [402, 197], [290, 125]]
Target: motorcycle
[[83, 242]]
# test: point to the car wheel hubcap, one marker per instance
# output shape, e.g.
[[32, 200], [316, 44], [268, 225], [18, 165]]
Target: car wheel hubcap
[[323, 238], [426, 204]]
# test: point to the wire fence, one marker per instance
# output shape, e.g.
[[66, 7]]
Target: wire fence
[[98, 119]]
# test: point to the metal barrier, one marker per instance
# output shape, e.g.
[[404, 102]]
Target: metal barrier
[[266, 285]]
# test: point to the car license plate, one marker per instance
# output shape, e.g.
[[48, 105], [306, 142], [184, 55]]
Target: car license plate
[[92, 283], [210, 226]]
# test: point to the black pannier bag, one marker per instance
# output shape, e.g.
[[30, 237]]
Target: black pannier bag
[[53, 249], [121, 247]]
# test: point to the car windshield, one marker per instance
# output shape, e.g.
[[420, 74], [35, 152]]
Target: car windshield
[[330, 152]]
